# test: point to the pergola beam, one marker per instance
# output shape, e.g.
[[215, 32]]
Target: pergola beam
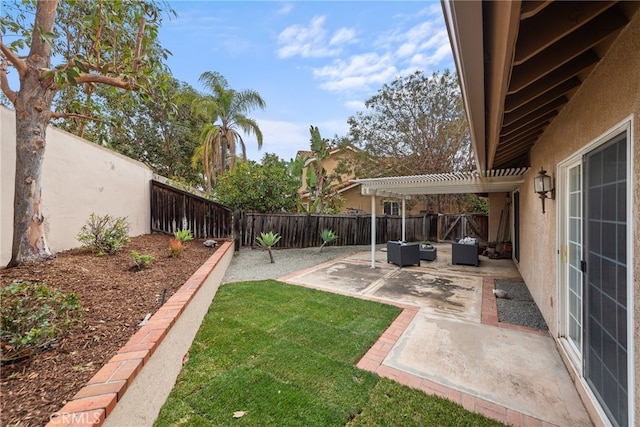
[[499, 180]]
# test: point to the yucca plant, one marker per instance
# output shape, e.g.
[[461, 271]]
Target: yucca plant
[[328, 236], [266, 240]]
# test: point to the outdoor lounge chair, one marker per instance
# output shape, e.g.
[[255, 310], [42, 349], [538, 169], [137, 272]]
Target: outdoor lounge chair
[[402, 253], [464, 252]]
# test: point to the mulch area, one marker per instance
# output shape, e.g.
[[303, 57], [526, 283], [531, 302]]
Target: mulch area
[[115, 299]]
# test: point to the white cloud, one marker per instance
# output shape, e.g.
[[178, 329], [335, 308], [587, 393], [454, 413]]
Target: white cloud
[[287, 138], [343, 35], [311, 41], [407, 49], [420, 32], [434, 52], [360, 73], [285, 9], [399, 50]]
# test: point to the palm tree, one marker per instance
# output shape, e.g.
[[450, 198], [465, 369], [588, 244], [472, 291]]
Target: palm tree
[[226, 110]]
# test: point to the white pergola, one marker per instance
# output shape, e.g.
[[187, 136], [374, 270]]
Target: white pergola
[[403, 187]]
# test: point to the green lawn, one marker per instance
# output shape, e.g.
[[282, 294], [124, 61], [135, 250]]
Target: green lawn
[[286, 355]]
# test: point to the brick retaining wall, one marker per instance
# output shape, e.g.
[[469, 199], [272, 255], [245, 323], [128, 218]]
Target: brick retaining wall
[[96, 400]]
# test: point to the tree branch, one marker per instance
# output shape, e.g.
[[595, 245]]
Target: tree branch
[[88, 65], [72, 116], [4, 82], [41, 49], [138, 51], [17, 63], [110, 81], [96, 42]]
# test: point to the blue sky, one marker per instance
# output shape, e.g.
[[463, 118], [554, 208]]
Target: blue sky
[[313, 62]]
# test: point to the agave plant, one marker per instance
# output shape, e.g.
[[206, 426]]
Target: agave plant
[[266, 240], [327, 235]]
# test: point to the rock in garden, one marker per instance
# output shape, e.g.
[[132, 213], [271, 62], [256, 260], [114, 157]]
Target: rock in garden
[[210, 243], [500, 293]]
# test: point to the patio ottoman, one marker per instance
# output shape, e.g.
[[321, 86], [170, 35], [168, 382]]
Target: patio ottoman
[[402, 253]]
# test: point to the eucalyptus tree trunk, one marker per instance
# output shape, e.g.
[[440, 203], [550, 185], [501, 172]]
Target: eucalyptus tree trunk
[[33, 110]]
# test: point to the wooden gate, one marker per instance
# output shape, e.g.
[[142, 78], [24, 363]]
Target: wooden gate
[[456, 226]]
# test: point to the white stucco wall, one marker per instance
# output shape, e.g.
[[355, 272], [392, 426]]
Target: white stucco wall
[[78, 178]]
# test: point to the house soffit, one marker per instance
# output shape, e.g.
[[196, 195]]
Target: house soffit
[[557, 45]]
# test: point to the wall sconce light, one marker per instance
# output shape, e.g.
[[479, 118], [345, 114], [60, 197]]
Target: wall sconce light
[[543, 184]]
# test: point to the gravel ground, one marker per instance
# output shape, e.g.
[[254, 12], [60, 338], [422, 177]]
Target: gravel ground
[[253, 264], [519, 308]]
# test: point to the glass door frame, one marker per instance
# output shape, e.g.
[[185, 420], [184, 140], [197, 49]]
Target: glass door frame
[[563, 191], [625, 125]]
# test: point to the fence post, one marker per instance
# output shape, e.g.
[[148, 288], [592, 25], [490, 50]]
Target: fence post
[[236, 230]]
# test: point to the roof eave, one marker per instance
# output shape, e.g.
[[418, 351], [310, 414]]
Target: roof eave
[[463, 20]]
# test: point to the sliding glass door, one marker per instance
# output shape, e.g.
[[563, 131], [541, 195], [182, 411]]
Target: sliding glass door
[[605, 346]]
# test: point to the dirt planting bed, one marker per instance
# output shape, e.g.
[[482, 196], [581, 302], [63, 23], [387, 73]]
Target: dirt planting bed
[[115, 299]]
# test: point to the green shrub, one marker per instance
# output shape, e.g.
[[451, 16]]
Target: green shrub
[[176, 247], [104, 234], [183, 235], [34, 316], [141, 260]]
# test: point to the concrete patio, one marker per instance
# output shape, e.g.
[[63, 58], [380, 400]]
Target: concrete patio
[[448, 340]]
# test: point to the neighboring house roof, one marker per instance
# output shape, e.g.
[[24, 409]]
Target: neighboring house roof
[[303, 153], [519, 63], [340, 188]]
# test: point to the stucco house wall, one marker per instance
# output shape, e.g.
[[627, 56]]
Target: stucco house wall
[[330, 164], [78, 178], [496, 206], [610, 96], [355, 200]]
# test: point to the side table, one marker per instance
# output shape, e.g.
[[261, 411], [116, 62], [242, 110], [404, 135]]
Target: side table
[[428, 254]]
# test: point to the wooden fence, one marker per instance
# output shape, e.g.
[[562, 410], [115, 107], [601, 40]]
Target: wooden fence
[[303, 230], [173, 209]]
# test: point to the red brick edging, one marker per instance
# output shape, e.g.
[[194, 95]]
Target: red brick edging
[[96, 400], [372, 361]]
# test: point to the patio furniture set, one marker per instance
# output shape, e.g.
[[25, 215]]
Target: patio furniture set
[[464, 251]]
